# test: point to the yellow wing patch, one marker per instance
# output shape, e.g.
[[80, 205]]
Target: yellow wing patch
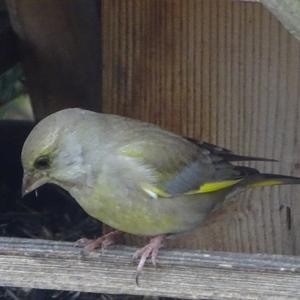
[[207, 187], [267, 182], [214, 186]]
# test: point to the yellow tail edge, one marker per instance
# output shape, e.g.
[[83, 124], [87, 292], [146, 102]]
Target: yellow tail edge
[[260, 180]]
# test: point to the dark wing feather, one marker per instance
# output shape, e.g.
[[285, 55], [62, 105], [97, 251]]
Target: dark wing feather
[[227, 154]]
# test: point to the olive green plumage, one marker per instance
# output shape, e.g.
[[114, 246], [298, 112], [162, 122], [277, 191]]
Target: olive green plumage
[[134, 176]]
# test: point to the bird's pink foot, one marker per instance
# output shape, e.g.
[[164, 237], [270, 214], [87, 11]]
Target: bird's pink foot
[[150, 250], [103, 241]]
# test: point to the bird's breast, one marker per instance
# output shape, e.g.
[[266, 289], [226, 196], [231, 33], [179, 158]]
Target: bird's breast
[[135, 212]]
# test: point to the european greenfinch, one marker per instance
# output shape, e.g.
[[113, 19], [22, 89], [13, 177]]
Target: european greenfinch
[[135, 176]]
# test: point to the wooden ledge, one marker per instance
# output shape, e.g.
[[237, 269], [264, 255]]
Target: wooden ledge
[[181, 273]]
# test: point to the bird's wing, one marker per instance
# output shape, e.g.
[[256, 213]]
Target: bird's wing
[[182, 166], [225, 153]]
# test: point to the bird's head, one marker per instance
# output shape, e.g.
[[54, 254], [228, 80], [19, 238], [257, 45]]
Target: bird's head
[[52, 153]]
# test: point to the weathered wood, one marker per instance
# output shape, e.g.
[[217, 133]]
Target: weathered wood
[[287, 12], [60, 44], [184, 274], [223, 71]]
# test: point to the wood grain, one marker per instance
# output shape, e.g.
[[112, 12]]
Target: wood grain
[[202, 275], [223, 71], [60, 46]]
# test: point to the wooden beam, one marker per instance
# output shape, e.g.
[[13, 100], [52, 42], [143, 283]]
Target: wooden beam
[[185, 274], [60, 43]]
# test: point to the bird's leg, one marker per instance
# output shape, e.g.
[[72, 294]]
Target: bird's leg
[[103, 241], [150, 250]]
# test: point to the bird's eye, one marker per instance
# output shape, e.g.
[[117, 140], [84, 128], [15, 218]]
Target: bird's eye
[[42, 162]]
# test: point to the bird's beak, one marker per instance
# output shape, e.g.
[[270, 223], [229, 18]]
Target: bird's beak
[[31, 183]]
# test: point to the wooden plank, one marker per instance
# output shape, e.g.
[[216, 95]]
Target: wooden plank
[[60, 44], [206, 275], [223, 71]]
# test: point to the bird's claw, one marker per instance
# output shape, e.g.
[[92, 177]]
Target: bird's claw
[[103, 242], [150, 250], [82, 242]]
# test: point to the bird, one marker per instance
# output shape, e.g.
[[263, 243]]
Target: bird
[[135, 176]]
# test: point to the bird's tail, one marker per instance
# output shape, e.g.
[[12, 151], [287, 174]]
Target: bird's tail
[[260, 179]]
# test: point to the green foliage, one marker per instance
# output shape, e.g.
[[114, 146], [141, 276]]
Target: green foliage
[[14, 102], [11, 84]]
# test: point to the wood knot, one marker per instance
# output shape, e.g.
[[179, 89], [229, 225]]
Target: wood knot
[[297, 166]]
